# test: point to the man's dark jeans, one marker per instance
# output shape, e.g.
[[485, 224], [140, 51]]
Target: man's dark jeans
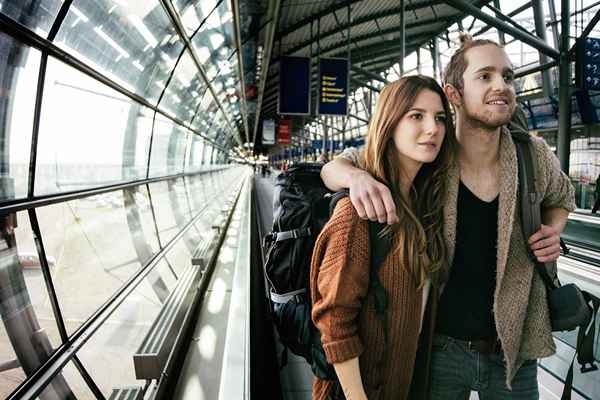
[[456, 371]]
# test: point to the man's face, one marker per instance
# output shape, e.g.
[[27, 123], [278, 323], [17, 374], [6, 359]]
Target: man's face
[[488, 98]]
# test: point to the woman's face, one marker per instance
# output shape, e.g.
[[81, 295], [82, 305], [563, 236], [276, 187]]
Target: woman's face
[[419, 134]]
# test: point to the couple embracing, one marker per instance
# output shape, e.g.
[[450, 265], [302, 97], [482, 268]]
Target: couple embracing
[[465, 309]]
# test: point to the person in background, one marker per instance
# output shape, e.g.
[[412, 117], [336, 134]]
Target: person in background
[[597, 193], [493, 320], [410, 146]]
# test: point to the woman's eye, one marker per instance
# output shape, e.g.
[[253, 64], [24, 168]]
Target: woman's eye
[[484, 77], [416, 116], [440, 118]]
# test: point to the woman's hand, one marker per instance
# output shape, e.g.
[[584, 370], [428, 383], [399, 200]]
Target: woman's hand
[[348, 373]]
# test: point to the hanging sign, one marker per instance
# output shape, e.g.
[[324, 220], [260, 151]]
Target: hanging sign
[[294, 86], [587, 64], [284, 131], [333, 86], [268, 136]]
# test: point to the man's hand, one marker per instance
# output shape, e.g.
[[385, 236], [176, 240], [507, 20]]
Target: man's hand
[[545, 243], [372, 199]]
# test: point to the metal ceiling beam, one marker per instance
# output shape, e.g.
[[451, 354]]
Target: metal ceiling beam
[[238, 43], [514, 12], [178, 25], [312, 18], [359, 21], [527, 38], [273, 17], [369, 74]]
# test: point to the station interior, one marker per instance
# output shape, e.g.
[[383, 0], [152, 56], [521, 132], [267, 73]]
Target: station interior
[[140, 146]]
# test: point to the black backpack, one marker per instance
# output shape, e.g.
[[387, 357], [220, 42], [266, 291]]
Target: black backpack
[[302, 206], [570, 307]]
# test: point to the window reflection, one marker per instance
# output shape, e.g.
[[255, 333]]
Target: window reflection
[[165, 219], [19, 67], [28, 332], [95, 255], [168, 148], [119, 337], [78, 146]]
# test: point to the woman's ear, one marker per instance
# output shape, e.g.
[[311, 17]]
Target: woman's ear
[[453, 95]]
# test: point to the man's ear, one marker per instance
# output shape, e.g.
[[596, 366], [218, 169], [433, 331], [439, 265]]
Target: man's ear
[[453, 94]]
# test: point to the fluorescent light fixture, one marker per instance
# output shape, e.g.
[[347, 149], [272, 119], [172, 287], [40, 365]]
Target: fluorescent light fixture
[[110, 10], [137, 64], [183, 79], [216, 40], [168, 60], [79, 14], [141, 27], [228, 16], [203, 54], [111, 42], [190, 18]]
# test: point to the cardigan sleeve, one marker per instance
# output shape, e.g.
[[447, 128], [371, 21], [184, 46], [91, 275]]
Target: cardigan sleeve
[[339, 282], [351, 154], [559, 192]]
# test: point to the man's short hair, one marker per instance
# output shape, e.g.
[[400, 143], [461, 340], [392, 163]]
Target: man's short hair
[[455, 69]]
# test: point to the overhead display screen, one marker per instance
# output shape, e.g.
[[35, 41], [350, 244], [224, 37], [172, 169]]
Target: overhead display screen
[[587, 74], [333, 86], [294, 86]]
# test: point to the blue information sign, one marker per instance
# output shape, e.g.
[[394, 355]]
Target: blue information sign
[[333, 86], [294, 86], [587, 73]]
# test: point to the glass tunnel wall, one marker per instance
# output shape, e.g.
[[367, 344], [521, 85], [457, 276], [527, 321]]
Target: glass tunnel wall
[[112, 167]]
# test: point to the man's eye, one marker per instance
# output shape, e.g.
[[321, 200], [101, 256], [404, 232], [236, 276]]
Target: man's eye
[[509, 78]]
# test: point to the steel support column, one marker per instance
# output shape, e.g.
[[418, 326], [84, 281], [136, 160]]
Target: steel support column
[[501, 38], [564, 91], [402, 37], [553, 23], [540, 30]]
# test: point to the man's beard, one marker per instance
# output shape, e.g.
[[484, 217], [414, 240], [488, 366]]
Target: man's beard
[[485, 119]]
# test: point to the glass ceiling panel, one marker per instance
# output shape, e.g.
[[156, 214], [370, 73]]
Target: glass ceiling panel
[[133, 43], [183, 93], [35, 15]]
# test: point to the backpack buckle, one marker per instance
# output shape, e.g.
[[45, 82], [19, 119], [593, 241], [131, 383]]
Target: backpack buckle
[[268, 238]]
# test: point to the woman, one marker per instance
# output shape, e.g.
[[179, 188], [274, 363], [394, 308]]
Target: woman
[[410, 144]]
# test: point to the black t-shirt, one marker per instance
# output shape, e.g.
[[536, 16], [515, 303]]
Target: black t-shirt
[[466, 305]]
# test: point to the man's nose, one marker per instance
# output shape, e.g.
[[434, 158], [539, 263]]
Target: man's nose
[[498, 83]]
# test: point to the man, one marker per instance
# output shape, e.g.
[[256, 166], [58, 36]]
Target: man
[[492, 321], [597, 193]]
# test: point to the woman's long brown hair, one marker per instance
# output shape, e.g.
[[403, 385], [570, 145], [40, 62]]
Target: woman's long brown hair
[[418, 236]]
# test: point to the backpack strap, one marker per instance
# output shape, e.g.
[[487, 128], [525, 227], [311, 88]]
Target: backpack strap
[[530, 203], [380, 247]]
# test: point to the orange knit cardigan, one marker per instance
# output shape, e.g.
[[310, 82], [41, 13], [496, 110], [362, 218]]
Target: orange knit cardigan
[[345, 314]]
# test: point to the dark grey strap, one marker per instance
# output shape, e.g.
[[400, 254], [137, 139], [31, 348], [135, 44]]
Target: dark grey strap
[[530, 206], [293, 234]]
